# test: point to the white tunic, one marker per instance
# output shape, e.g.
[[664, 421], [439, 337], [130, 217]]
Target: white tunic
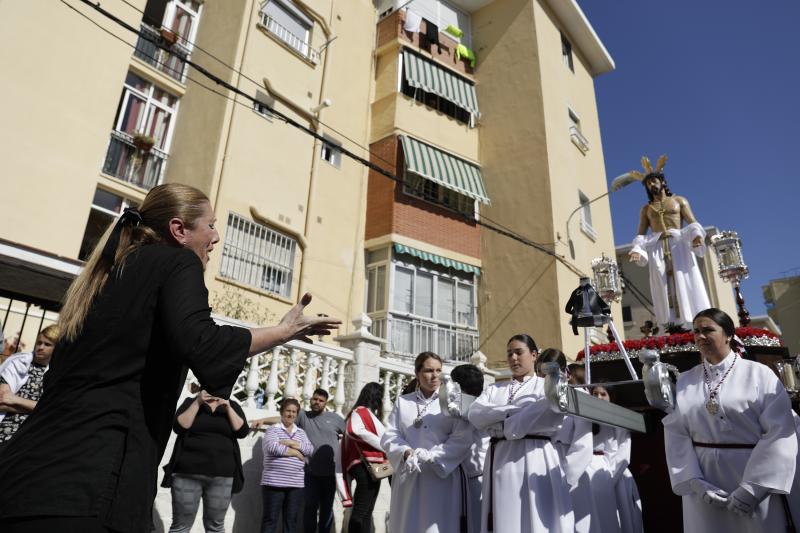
[[689, 287], [617, 506], [429, 501], [529, 486], [574, 443], [473, 470], [754, 409]]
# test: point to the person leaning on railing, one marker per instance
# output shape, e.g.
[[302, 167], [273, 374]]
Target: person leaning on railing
[[133, 321]]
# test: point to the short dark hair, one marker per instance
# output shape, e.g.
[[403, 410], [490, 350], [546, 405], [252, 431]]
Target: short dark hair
[[470, 378], [410, 387], [321, 392], [553, 355], [720, 318], [424, 356], [525, 338], [286, 402]]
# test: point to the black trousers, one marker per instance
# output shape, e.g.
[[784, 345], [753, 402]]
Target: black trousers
[[364, 498], [52, 524], [318, 495]]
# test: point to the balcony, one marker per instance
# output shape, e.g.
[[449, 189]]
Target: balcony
[[295, 43], [408, 337], [173, 64], [128, 163], [578, 139], [391, 28]]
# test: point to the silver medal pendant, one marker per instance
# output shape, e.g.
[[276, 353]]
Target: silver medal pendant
[[712, 406], [418, 422]]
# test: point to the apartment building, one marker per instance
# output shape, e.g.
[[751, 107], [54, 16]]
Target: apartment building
[[782, 297]]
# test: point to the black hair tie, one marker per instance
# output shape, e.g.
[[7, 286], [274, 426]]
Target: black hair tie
[[131, 216]]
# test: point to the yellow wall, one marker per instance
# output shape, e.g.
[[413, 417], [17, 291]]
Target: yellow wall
[[62, 82]]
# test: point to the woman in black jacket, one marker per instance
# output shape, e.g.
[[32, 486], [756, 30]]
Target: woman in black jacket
[[206, 461], [132, 322]]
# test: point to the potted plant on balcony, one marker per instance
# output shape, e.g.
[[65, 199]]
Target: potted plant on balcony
[[143, 143], [168, 36]]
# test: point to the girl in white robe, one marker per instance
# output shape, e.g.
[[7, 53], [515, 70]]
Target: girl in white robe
[[730, 442], [617, 506], [525, 488], [426, 448]]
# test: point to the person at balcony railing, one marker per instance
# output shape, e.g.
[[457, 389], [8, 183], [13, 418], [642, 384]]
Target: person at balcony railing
[[525, 486], [426, 448], [573, 442], [362, 443], [614, 496], [286, 447], [21, 377], [470, 379], [323, 429], [206, 461], [133, 321], [730, 442]]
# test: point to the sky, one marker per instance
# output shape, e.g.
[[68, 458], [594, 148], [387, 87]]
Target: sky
[[715, 85]]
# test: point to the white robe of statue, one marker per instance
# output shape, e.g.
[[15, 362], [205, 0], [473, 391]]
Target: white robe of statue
[[530, 493], [754, 409], [690, 291], [428, 501]]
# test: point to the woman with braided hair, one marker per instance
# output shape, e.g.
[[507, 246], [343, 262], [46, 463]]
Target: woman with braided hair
[[730, 442], [132, 322]]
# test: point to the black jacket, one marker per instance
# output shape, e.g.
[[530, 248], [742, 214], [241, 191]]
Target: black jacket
[[92, 445], [587, 308]]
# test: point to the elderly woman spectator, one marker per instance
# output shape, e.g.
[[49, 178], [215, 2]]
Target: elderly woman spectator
[[285, 448], [206, 461], [21, 377], [730, 442]]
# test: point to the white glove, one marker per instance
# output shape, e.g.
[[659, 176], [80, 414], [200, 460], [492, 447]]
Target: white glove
[[411, 465], [423, 455], [709, 493], [496, 430], [742, 502]]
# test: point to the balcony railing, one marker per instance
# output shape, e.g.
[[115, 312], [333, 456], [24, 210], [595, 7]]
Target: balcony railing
[[173, 64], [295, 43], [127, 162], [408, 337], [578, 139]]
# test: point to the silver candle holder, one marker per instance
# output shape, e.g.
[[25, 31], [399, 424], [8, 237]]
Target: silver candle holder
[[728, 248]]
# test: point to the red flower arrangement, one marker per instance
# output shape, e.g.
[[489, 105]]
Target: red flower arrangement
[[678, 339]]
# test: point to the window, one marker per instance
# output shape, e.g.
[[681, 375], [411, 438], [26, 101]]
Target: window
[[419, 187], [147, 110], [444, 14], [431, 309], [256, 255], [106, 207], [376, 288], [435, 102], [566, 52], [331, 152], [263, 104], [181, 18], [288, 23], [586, 216], [575, 134], [627, 314]]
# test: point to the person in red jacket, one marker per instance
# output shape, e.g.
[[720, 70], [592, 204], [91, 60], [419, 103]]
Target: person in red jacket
[[362, 442]]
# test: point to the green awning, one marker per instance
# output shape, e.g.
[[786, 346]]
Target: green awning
[[444, 169], [430, 77], [437, 259]]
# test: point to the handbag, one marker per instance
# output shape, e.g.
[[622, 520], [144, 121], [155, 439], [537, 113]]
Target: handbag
[[377, 471]]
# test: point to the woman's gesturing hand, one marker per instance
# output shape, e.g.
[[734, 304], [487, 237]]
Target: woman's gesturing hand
[[303, 327]]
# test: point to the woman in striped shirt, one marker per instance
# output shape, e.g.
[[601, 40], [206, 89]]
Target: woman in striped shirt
[[285, 448]]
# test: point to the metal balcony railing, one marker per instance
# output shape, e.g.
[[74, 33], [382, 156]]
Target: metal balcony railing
[[578, 139], [408, 337], [296, 43], [127, 162], [173, 64]]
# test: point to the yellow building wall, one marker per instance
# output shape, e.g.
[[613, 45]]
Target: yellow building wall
[[58, 102]]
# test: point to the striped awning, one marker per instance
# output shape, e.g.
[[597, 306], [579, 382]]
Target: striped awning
[[426, 75], [444, 169], [437, 259]]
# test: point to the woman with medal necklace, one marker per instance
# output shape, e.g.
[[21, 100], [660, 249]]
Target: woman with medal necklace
[[525, 489], [425, 448], [730, 442]]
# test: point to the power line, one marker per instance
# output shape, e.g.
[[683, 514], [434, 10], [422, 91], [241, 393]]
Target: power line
[[288, 120]]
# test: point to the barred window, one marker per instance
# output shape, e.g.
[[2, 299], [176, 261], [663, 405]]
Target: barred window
[[256, 255]]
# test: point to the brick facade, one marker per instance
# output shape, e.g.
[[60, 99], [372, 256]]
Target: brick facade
[[391, 211], [391, 28]]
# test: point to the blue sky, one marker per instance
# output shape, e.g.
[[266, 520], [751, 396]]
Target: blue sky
[[716, 86]]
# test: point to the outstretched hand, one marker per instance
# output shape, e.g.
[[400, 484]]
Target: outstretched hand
[[303, 327]]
